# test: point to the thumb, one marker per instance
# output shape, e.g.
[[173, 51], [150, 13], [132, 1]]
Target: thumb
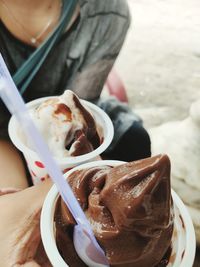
[[33, 197]]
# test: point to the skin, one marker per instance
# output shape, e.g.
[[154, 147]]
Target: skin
[[20, 206], [27, 18], [36, 15], [20, 240], [12, 170]]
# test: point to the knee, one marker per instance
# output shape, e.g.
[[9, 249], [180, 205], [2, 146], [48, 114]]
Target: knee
[[135, 144], [139, 140]]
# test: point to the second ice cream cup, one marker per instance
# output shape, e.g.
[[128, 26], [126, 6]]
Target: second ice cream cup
[[35, 165], [183, 244]]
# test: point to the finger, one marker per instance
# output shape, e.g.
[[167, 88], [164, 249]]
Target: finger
[[28, 244], [26, 239], [41, 257], [8, 190], [33, 197], [27, 264]]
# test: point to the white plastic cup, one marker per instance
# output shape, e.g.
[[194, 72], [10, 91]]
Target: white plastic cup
[[36, 167], [183, 243]]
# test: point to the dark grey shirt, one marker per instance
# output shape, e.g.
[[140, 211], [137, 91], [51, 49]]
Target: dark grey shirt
[[80, 61]]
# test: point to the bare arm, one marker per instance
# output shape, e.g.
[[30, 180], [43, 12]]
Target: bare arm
[[12, 171]]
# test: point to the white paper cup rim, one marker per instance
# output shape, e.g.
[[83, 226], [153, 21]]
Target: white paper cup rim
[[106, 122], [190, 248], [47, 215]]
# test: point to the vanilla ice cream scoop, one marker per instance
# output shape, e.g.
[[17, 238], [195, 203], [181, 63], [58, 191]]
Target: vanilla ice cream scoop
[[66, 125]]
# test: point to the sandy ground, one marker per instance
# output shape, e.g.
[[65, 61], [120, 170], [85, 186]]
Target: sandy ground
[[162, 76], [160, 60]]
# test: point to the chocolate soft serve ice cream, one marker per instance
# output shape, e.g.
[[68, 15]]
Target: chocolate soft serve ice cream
[[66, 125], [130, 210]]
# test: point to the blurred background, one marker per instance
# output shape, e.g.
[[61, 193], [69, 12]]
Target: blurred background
[[160, 67], [162, 76]]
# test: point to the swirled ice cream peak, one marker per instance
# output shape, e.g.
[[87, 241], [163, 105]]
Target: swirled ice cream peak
[[66, 125], [130, 210]]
